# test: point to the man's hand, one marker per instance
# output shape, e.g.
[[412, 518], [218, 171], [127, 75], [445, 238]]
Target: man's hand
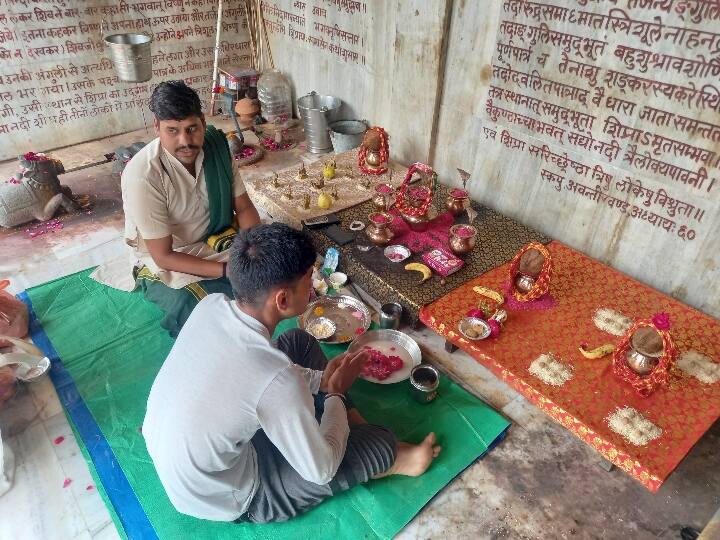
[[343, 372]]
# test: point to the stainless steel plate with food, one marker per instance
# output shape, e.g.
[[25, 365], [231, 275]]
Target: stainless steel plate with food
[[387, 348], [350, 316]]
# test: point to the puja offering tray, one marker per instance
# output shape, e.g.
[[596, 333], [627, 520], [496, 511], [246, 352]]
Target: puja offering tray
[[390, 343], [349, 315]]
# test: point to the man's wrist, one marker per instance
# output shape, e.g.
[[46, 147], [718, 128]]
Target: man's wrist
[[341, 396]]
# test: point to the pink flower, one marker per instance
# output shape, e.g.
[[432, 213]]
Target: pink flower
[[494, 327], [476, 313], [661, 321], [217, 90]]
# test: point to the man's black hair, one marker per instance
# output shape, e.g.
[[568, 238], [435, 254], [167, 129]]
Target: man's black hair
[[175, 100], [265, 257]]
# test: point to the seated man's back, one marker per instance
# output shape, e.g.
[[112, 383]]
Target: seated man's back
[[201, 412]]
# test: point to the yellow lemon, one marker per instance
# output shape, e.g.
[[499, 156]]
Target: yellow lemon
[[324, 201]]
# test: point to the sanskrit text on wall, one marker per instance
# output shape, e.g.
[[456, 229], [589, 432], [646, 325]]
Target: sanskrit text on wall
[[58, 86], [330, 27], [618, 100]]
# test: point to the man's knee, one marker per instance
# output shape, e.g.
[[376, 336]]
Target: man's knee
[[295, 341]]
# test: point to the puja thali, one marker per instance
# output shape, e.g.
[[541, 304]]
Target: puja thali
[[350, 316]]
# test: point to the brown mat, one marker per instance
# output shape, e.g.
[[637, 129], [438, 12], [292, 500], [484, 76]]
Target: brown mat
[[499, 238]]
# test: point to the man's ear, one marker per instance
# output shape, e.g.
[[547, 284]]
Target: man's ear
[[281, 299], [156, 125], [202, 119]]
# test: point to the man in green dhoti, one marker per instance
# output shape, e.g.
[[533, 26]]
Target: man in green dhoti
[[183, 199]]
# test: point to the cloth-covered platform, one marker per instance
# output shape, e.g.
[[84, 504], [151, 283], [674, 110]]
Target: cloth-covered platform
[[106, 348], [347, 183], [684, 411], [498, 238]]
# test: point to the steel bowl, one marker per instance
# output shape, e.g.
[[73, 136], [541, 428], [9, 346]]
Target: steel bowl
[[474, 328], [396, 253], [398, 339], [321, 328]]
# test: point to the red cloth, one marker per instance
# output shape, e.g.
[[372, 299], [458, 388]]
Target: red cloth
[[437, 234], [684, 410]]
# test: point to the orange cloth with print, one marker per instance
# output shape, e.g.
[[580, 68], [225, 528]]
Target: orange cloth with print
[[684, 410]]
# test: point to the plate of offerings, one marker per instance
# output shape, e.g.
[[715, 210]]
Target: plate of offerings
[[393, 355], [349, 315]]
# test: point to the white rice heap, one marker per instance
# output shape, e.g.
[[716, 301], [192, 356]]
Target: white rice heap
[[633, 426], [611, 321], [699, 366], [550, 370]]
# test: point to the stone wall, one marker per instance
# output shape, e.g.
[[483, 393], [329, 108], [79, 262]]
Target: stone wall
[[595, 121], [57, 85]]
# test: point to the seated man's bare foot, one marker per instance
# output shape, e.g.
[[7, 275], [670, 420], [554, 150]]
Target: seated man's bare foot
[[414, 459]]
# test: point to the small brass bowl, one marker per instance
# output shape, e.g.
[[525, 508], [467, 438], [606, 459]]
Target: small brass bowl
[[524, 283]]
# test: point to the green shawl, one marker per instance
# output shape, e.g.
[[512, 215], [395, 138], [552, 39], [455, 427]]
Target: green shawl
[[218, 178]]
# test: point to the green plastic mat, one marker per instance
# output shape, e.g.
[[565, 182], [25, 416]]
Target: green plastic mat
[[112, 346]]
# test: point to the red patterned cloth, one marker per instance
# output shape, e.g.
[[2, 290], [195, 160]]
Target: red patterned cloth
[[437, 234], [684, 410]]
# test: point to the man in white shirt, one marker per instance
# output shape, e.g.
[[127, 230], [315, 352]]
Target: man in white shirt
[[179, 195], [242, 428]]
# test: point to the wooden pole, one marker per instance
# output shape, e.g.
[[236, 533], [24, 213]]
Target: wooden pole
[[217, 58]]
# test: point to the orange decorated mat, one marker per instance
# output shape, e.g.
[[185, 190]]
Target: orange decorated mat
[[683, 411]]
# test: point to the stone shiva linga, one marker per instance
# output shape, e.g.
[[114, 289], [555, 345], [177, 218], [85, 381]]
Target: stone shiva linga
[[35, 192], [374, 152], [414, 201]]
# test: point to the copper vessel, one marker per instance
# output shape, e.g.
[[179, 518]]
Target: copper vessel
[[460, 244], [524, 283], [379, 230], [372, 158], [384, 197], [640, 363], [457, 201]]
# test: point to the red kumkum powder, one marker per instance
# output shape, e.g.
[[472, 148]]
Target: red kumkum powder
[[419, 192], [459, 193], [379, 218], [383, 188], [464, 232]]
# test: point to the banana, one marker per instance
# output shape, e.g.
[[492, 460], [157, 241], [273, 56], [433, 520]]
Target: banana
[[598, 352], [418, 267]]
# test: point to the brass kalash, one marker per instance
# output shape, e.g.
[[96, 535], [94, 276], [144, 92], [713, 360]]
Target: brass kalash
[[415, 200]]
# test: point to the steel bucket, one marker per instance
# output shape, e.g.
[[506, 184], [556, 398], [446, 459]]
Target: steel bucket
[[130, 54], [347, 134], [317, 113]]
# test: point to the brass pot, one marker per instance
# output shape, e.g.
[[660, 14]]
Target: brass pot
[[380, 232], [524, 283], [372, 158], [457, 201], [462, 239], [422, 222], [384, 197], [640, 363]]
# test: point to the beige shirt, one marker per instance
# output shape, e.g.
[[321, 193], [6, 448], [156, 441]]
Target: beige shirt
[[160, 202]]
